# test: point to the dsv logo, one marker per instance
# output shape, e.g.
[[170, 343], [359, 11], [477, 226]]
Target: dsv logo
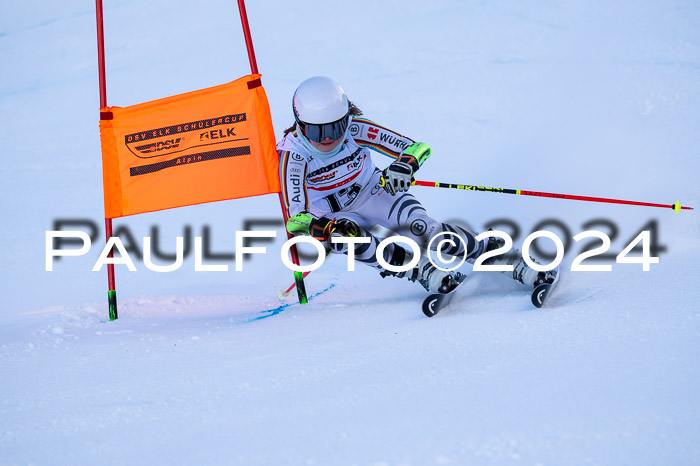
[[160, 145]]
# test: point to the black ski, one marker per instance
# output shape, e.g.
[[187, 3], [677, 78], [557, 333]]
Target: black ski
[[434, 302], [542, 291]]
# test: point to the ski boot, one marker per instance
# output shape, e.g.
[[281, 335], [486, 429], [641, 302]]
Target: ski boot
[[433, 279], [521, 271], [430, 277]]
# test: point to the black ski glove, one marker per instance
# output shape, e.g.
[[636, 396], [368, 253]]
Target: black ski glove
[[345, 227]]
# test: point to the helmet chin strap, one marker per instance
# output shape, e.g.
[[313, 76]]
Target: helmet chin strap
[[318, 153]]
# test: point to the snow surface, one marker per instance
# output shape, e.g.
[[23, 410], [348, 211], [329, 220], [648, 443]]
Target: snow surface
[[583, 97]]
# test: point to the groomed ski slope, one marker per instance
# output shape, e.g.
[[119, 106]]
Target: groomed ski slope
[[589, 98]]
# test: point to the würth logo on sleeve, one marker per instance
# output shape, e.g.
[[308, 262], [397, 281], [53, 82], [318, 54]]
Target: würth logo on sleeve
[[372, 133], [183, 136]]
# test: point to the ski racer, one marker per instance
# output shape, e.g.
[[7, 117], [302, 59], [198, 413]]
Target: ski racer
[[331, 187]]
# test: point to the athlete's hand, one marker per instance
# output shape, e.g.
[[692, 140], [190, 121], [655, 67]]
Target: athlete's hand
[[344, 227], [396, 178], [306, 224]]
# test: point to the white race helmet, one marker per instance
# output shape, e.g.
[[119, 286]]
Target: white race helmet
[[321, 109]]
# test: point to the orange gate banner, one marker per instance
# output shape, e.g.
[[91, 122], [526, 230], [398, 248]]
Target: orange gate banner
[[203, 146]]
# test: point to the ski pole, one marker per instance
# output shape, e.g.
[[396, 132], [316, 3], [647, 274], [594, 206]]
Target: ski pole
[[676, 207]]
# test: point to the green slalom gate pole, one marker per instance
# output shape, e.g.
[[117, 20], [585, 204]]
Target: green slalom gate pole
[[434, 184], [298, 278]]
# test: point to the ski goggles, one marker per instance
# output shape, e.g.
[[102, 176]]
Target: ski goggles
[[318, 132]]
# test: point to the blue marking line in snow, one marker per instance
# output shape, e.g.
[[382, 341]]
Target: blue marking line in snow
[[283, 307]]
